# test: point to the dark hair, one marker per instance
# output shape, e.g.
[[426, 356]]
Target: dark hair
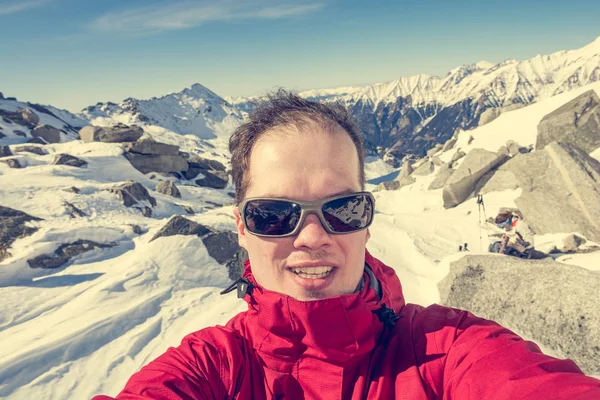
[[283, 108]]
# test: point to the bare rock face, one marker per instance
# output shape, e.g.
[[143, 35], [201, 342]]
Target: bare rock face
[[67, 159], [111, 134], [457, 156], [445, 172], [169, 188], [449, 145], [65, 253], [5, 151], [463, 181], [406, 170], [577, 123], [149, 147], [157, 163], [213, 179], [31, 149], [515, 148], [12, 162], [49, 133], [222, 246], [199, 165], [131, 193], [13, 225], [523, 295], [29, 116], [22, 116], [560, 189], [424, 169], [431, 152]]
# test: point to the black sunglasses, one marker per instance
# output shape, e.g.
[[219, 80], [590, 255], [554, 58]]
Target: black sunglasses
[[274, 217]]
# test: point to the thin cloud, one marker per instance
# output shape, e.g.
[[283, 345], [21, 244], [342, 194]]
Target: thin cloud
[[11, 7], [189, 14]]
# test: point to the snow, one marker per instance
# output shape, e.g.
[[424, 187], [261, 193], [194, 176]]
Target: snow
[[84, 328]]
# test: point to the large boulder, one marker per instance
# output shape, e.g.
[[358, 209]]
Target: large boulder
[[111, 134], [12, 162], [157, 163], [169, 188], [461, 184], [28, 116], [426, 168], [577, 123], [49, 133], [560, 189], [131, 193], [31, 149], [149, 146], [406, 170], [13, 225], [5, 151], [457, 156], [444, 173], [551, 303], [179, 225], [199, 165], [213, 179], [67, 159], [65, 253]]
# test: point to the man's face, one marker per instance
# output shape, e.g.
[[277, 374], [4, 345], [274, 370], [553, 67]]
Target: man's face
[[307, 165]]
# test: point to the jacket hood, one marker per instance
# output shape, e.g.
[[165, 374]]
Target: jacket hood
[[337, 329]]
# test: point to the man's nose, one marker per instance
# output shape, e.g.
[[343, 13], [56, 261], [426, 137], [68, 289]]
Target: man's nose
[[312, 234]]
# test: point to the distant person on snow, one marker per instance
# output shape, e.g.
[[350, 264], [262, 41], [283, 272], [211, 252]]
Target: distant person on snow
[[326, 319]]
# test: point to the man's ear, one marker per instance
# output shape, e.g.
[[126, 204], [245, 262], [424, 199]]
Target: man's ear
[[241, 228]]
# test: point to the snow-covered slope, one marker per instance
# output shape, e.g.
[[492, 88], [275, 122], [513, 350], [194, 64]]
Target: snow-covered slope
[[195, 110]]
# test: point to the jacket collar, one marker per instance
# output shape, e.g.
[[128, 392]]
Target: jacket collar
[[338, 329]]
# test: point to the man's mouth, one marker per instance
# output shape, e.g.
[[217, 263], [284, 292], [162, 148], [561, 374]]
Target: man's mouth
[[312, 272]]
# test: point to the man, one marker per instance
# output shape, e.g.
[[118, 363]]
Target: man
[[325, 319]]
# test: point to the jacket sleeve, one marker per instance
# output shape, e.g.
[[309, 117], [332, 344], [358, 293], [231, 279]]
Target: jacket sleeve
[[190, 371], [483, 360]]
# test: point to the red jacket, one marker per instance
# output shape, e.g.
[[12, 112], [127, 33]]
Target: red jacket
[[339, 348]]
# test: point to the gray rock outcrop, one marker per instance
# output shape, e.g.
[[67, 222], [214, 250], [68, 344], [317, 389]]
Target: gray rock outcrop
[[515, 148], [40, 151], [560, 189], [169, 188], [523, 296], [199, 165], [13, 226], [220, 245], [111, 134], [152, 147], [22, 116], [65, 253], [146, 163], [424, 169], [406, 170], [49, 133], [131, 193], [444, 173], [431, 152], [449, 145], [576, 122], [12, 162], [5, 151], [457, 156], [461, 184], [67, 159]]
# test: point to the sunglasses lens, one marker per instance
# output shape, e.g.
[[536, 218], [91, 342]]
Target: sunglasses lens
[[271, 217], [349, 214]]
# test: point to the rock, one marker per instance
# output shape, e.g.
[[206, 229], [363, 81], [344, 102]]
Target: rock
[[12, 162], [577, 123], [515, 148], [5, 151], [137, 229], [213, 179], [145, 210], [131, 192], [463, 181], [503, 150], [29, 117], [37, 140], [560, 189], [221, 246], [457, 156], [21, 133], [437, 162], [470, 140], [67, 159], [445, 172], [523, 295], [449, 145], [424, 169], [148, 146], [179, 225], [169, 188], [434, 150], [489, 115], [236, 265], [406, 170], [157, 163], [72, 189], [13, 226], [65, 253], [572, 243], [110, 134], [49, 133], [189, 210], [1, 96], [2, 135], [31, 149], [74, 212], [198, 165], [389, 185]]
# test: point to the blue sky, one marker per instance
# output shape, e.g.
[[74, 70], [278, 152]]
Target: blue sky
[[74, 53]]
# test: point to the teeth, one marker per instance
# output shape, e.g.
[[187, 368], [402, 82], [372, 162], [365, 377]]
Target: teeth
[[313, 272]]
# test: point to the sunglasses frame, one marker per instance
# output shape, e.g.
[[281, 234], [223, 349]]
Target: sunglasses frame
[[307, 207]]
